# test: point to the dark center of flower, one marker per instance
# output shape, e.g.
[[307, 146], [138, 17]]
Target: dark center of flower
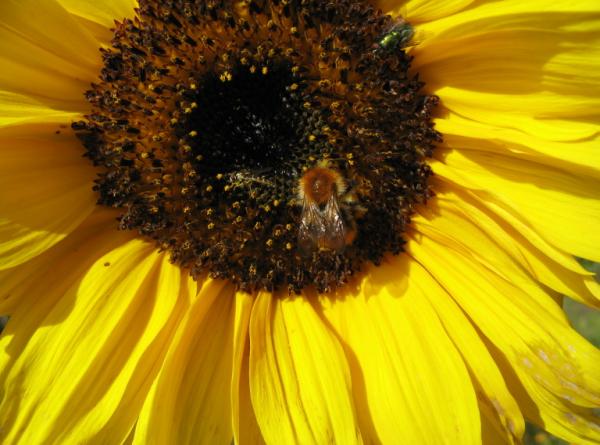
[[271, 143]]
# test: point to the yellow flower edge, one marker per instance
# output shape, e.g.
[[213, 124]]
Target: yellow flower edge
[[455, 341]]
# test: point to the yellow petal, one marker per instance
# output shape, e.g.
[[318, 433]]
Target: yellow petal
[[61, 266], [190, 402], [418, 11], [299, 378], [19, 109], [492, 431], [77, 370], [46, 189], [499, 108], [46, 54], [525, 55], [245, 427], [104, 12], [495, 401], [99, 32], [553, 372], [576, 152], [456, 219], [411, 383], [526, 76], [559, 205], [516, 15]]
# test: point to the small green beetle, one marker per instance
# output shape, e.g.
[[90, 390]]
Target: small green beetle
[[398, 36]]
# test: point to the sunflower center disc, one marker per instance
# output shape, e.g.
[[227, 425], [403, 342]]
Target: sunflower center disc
[[270, 143]]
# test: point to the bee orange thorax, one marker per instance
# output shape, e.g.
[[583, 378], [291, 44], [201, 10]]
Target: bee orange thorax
[[319, 183]]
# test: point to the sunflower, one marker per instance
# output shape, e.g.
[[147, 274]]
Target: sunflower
[[297, 222]]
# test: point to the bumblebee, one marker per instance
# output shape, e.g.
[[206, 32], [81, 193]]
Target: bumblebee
[[327, 221]]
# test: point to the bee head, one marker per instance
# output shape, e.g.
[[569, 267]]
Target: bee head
[[318, 184]]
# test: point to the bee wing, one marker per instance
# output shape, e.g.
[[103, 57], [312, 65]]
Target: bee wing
[[312, 227], [335, 231]]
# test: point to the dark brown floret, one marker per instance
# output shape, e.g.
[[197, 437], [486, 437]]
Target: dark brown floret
[[207, 114]]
